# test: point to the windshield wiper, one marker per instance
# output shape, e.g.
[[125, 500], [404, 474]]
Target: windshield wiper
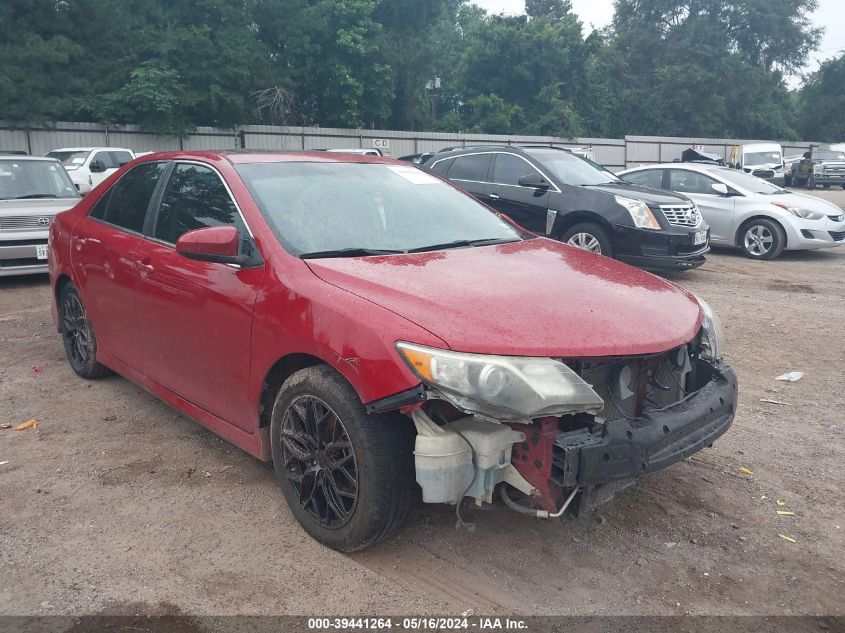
[[459, 243], [36, 195], [348, 252]]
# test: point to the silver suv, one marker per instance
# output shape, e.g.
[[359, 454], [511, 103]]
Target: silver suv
[[32, 191]]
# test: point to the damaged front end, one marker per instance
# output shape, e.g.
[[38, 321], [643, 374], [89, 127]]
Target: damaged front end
[[564, 433]]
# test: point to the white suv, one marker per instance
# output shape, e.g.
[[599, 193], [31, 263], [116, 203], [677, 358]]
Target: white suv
[[32, 191], [89, 166]]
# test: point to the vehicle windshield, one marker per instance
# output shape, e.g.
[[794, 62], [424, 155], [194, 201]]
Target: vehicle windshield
[[760, 159], [351, 209], [572, 169], [20, 179], [747, 181], [70, 159], [828, 155]]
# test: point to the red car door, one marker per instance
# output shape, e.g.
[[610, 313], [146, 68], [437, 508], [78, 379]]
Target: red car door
[[103, 257], [196, 317]]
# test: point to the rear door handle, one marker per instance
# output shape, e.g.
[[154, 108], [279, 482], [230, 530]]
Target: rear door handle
[[494, 196]]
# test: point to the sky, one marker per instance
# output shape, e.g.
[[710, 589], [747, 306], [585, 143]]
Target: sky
[[599, 13]]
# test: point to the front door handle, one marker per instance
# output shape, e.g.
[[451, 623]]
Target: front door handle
[[494, 196], [145, 267]]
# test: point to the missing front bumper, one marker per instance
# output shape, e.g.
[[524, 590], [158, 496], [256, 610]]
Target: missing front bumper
[[626, 449]]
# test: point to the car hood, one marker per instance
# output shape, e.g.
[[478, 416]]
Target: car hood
[[801, 200], [37, 206], [531, 298], [648, 195]]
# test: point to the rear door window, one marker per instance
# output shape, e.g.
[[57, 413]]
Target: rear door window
[[195, 198], [648, 178], [125, 204], [472, 167]]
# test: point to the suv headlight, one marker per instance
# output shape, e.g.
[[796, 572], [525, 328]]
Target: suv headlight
[[801, 213], [501, 387], [640, 213], [712, 333]]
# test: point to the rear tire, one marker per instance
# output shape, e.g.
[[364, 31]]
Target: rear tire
[[78, 336], [762, 239], [588, 236], [347, 476]]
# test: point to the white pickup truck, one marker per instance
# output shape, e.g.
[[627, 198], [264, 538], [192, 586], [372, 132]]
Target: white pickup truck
[[89, 166]]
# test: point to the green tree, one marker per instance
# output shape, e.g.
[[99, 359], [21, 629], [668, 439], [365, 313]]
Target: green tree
[[823, 102]]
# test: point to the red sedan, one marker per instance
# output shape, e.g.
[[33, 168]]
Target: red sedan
[[378, 334]]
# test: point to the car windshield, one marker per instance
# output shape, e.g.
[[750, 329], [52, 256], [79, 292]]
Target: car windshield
[[572, 169], [351, 209], [747, 181], [20, 179], [763, 159], [70, 159], [828, 155]]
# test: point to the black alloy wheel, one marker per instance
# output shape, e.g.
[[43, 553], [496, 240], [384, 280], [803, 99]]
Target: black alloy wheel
[[319, 461]]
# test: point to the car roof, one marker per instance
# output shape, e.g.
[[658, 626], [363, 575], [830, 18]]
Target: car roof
[[760, 146], [27, 157], [679, 165], [245, 157], [90, 149]]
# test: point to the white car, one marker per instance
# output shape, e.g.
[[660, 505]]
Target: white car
[[744, 211], [32, 191], [89, 166]]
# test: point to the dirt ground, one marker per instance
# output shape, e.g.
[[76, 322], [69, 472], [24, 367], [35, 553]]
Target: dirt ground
[[118, 504]]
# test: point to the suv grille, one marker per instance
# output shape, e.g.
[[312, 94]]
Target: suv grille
[[763, 173], [681, 215], [25, 222]]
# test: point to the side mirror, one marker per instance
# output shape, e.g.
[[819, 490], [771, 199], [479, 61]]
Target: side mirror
[[97, 166], [534, 180], [720, 188], [218, 244]]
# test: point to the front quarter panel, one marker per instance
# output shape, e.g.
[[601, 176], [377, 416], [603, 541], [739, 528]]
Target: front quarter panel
[[298, 313]]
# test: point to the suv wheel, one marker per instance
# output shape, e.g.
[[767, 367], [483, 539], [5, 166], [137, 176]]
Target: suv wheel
[[589, 237], [347, 476], [762, 239], [78, 337]]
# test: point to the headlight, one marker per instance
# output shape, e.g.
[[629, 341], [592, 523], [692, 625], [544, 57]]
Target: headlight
[[502, 387], [640, 213], [712, 333], [801, 213]]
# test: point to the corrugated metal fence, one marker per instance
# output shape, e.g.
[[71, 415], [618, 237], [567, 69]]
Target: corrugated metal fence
[[616, 154]]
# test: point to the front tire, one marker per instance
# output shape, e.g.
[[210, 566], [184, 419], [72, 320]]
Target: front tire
[[588, 236], [347, 476], [78, 336], [762, 239]]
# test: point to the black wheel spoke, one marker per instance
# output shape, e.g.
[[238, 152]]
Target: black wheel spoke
[[297, 447], [333, 501], [307, 487], [319, 461]]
